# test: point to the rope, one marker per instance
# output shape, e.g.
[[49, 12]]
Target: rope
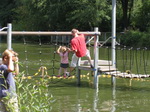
[[130, 58], [133, 59], [26, 58], [147, 58], [137, 68], [123, 61], [40, 52], [127, 56], [108, 58], [144, 61], [53, 79], [53, 61]]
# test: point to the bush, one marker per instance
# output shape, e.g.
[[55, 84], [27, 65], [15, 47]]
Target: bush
[[135, 39], [33, 95]]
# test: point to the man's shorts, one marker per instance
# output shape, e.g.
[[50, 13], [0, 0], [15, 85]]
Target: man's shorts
[[76, 59]]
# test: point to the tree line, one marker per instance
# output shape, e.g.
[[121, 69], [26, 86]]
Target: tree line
[[63, 15]]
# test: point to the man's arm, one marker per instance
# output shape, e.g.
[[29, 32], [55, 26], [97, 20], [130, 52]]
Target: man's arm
[[73, 46]]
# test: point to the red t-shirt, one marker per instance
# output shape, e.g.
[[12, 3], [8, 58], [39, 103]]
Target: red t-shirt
[[78, 43]]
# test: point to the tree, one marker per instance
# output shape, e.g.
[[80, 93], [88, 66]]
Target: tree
[[88, 14], [31, 15], [7, 13], [143, 16], [63, 14], [127, 6]]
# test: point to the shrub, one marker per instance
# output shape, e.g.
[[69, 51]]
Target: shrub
[[135, 39]]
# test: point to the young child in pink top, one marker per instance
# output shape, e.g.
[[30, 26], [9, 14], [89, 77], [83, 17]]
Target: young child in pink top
[[63, 52]]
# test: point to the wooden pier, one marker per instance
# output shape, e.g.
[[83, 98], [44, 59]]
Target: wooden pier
[[105, 67]]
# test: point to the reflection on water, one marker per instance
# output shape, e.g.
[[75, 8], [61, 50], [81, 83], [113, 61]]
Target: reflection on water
[[119, 98], [113, 98], [96, 100], [108, 105]]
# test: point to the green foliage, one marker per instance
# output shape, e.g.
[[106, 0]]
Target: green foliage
[[33, 95], [7, 11], [135, 39], [87, 14], [63, 15], [142, 21], [30, 16]]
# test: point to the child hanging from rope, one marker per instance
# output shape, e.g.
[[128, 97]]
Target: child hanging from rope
[[63, 52]]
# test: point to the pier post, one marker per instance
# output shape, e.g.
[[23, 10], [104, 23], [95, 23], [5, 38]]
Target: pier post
[[96, 57], [78, 72], [113, 79], [9, 36]]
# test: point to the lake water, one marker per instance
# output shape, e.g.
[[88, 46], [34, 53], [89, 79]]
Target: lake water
[[126, 96]]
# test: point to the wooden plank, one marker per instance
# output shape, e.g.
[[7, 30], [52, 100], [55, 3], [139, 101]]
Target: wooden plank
[[100, 68], [88, 68], [131, 76], [125, 75], [144, 76], [100, 62], [112, 72], [135, 76], [106, 68], [120, 75]]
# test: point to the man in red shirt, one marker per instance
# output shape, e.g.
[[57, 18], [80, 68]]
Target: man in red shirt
[[78, 46]]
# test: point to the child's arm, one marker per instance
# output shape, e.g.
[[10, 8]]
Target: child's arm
[[16, 66], [58, 50], [68, 49], [10, 62]]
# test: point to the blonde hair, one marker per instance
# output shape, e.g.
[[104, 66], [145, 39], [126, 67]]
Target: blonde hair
[[74, 31], [7, 52], [63, 49]]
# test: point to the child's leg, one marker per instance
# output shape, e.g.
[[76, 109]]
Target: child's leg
[[65, 70], [60, 69]]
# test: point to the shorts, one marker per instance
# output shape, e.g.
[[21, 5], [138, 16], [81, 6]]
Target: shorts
[[76, 59], [64, 65]]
